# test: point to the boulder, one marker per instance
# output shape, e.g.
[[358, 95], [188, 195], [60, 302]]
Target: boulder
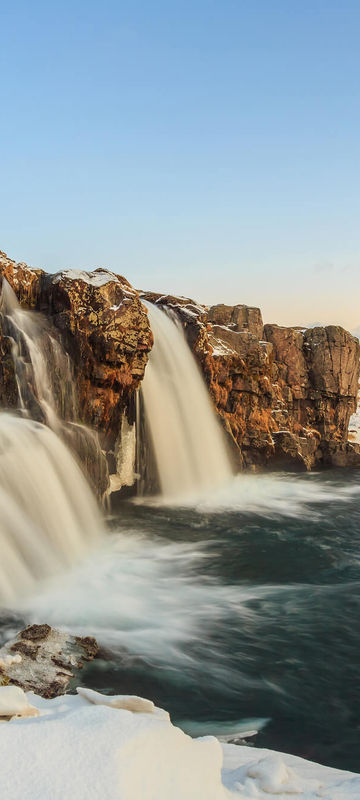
[[44, 660]]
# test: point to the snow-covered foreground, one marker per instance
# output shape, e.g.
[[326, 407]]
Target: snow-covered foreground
[[93, 747]]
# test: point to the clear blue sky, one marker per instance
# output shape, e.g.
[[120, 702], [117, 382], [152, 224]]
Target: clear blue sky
[[205, 148]]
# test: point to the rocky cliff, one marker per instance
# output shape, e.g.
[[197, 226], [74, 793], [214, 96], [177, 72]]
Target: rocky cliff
[[102, 325], [284, 395]]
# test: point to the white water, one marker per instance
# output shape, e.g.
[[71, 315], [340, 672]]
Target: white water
[[48, 514], [188, 442], [33, 351], [156, 597]]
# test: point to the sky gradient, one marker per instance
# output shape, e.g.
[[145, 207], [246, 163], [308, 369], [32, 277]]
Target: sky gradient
[[209, 149]]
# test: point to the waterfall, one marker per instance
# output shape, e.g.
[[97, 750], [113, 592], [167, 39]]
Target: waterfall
[[187, 440], [48, 514], [45, 384], [37, 355]]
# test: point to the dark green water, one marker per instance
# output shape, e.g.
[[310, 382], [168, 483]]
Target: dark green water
[[245, 607]]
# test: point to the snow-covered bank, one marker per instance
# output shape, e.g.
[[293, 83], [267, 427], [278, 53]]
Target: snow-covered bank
[[79, 748], [256, 773]]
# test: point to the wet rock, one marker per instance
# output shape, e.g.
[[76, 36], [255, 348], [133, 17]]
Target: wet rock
[[44, 660], [8, 387], [106, 331], [24, 280]]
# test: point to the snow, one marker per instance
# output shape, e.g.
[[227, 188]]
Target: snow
[[90, 746], [220, 348], [9, 660], [97, 278], [186, 311], [128, 701], [251, 772], [15, 703], [76, 748]]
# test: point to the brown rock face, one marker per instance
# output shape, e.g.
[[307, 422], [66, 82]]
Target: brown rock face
[[289, 355], [330, 354], [25, 281], [285, 395], [239, 317], [102, 325], [106, 331]]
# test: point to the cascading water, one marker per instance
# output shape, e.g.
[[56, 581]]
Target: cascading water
[[45, 383], [48, 514], [188, 443], [35, 352]]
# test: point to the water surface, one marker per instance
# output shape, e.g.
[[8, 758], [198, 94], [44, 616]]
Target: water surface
[[237, 612]]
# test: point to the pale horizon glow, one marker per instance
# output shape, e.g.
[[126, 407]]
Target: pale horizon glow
[[198, 148]]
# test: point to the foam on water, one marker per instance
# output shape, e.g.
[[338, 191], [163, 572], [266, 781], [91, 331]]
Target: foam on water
[[275, 495], [156, 597]]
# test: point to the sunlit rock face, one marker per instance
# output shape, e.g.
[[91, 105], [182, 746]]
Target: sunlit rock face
[[106, 331], [285, 395], [102, 325], [24, 280]]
